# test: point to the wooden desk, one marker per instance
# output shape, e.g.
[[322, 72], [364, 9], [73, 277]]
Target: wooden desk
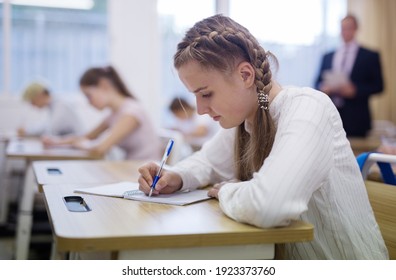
[[88, 171], [32, 150], [361, 145], [73, 231], [197, 231]]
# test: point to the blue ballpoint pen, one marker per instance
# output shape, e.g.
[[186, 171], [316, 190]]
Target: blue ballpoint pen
[[163, 161]]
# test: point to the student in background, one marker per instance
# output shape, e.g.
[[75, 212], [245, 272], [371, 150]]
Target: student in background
[[350, 76], [282, 155], [196, 129], [128, 126], [62, 119]]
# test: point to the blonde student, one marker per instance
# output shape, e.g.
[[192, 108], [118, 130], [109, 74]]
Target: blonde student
[[62, 118], [282, 155], [128, 126]]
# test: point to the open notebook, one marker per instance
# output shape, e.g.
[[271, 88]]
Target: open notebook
[[130, 190]]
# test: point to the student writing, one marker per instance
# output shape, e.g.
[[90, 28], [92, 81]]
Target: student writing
[[282, 155], [128, 126]]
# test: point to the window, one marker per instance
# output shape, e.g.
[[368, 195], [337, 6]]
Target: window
[[297, 32], [55, 44], [175, 17]]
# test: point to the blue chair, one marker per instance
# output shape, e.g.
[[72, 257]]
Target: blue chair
[[384, 161]]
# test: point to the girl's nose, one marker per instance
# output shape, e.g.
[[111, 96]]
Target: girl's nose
[[202, 109]]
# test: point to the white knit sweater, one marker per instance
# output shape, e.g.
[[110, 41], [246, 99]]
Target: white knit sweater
[[311, 174]]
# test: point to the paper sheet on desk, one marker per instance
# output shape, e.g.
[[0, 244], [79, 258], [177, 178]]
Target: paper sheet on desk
[[130, 190], [177, 198], [114, 190]]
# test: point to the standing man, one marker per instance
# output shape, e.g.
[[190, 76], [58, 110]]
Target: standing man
[[350, 75]]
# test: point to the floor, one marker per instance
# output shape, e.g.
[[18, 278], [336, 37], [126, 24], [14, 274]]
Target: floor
[[11, 180], [40, 245]]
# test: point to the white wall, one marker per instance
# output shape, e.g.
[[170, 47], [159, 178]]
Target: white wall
[[135, 49]]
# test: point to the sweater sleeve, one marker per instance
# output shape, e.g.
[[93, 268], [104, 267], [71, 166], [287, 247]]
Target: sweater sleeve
[[212, 164], [298, 164]]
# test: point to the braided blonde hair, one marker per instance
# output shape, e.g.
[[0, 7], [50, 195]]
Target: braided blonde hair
[[220, 43]]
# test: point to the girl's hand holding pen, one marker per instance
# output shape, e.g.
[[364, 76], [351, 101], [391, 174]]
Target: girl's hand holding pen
[[169, 182]]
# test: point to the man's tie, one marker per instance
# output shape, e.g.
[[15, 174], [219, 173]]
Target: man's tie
[[344, 60], [339, 101]]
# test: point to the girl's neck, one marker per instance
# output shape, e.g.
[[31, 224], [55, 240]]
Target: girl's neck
[[117, 101]]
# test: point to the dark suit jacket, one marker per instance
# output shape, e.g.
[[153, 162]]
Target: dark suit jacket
[[366, 75]]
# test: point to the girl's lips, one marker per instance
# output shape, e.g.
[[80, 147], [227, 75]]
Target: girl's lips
[[216, 118]]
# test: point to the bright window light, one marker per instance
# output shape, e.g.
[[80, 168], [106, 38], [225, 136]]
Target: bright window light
[[185, 13], [62, 4], [282, 21]]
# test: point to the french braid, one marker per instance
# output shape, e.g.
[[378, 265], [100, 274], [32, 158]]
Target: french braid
[[220, 43]]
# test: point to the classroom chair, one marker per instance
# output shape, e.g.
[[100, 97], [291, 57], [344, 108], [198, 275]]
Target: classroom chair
[[384, 161], [383, 201], [382, 195]]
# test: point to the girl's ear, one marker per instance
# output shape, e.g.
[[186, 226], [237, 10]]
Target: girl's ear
[[247, 73]]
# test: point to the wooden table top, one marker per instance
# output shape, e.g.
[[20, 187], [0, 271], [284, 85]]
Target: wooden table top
[[32, 149], [87, 171], [120, 224], [364, 144]]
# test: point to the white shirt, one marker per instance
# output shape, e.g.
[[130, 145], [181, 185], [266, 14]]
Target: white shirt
[[62, 119], [344, 58], [311, 174]]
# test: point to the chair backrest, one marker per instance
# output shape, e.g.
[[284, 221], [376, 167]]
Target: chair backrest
[[383, 201], [384, 161]]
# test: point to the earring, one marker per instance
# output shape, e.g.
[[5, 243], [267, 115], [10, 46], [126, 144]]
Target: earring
[[263, 100]]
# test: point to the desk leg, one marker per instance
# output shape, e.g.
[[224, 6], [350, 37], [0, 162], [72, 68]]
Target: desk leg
[[73, 256], [3, 203], [3, 197], [25, 215], [235, 252], [3, 186], [93, 255], [55, 255]]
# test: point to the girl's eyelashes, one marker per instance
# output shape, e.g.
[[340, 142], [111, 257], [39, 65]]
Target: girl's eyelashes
[[203, 94], [206, 95]]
